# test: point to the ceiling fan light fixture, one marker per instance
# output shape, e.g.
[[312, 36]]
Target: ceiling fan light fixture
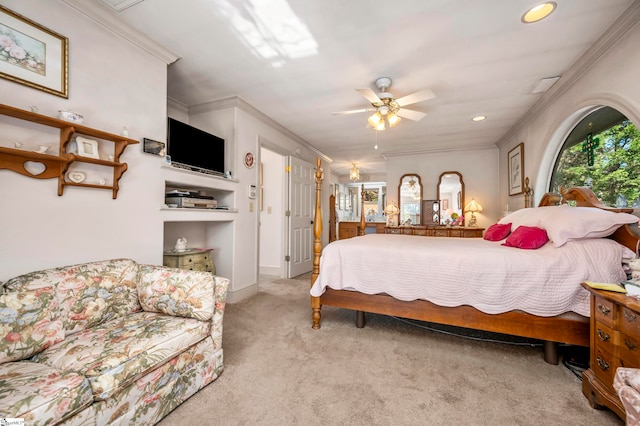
[[375, 119], [379, 126], [539, 12], [393, 119]]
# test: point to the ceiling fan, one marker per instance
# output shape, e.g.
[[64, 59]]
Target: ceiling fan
[[385, 106]]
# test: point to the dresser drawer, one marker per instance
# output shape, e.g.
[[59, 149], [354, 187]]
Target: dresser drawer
[[605, 365], [630, 322], [605, 312], [441, 233], [629, 350], [605, 337]]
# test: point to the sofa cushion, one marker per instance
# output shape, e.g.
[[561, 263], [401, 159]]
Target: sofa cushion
[[29, 323], [89, 293], [176, 292], [115, 353], [41, 394]]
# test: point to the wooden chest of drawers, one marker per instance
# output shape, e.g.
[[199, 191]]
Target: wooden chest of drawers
[[615, 342], [437, 231], [193, 259]]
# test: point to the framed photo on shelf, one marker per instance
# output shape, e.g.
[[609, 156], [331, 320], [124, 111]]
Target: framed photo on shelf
[[33, 55], [87, 147], [516, 169]]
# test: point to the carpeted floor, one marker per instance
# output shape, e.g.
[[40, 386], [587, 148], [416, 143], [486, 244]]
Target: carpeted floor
[[278, 371]]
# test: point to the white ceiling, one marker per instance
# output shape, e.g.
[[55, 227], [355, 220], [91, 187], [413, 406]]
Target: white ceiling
[[298, 61]]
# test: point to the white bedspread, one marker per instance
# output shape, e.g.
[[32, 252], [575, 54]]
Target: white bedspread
[[471, 271]]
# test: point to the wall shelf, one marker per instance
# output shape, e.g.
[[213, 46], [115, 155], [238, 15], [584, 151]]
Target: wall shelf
[[56, 166]]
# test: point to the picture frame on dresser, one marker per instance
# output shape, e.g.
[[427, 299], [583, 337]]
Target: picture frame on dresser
[[37, 57], [515, 165]]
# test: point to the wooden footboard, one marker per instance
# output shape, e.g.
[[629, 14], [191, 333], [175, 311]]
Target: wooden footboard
[[572, 329]]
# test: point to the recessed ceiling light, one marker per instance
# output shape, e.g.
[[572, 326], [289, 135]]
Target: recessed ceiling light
[[539, 12], [479, 118]]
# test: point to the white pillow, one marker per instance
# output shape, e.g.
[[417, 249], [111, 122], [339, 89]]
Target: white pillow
[[564, 223], [571, 223]]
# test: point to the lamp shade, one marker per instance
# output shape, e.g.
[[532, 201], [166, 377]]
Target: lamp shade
[[473, 206]]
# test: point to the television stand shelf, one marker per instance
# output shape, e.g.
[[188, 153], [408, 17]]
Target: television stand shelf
[[25, 162]]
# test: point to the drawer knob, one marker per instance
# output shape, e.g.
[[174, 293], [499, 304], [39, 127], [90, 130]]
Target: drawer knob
[[603, 335], [604, 310], [629, 344], [629, 316], [604, 365]]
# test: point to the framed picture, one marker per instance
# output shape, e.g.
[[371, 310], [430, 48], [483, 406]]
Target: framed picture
[[516, 170], [153, 147], [87, 147], [33, 55]]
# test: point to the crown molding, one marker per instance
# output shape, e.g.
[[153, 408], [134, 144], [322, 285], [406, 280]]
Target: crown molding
[[434, 150], [103, 16], [620, 27], [238, 102], [177, 105]]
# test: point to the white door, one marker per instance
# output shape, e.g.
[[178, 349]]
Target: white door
[[301, 184]]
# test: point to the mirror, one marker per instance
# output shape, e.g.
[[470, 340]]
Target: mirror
[[451, 197], [409, 198]]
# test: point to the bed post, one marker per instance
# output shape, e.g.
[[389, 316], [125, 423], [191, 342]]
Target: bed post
[[317, 245], [363, 223]]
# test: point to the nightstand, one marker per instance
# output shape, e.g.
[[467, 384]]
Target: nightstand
[[192, 259], [615, 342]]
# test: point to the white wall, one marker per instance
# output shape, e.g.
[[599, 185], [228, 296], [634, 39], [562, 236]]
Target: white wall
[[113, 84], [479, 169], [612, 80]]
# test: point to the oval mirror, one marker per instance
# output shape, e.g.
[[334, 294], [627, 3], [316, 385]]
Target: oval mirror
[[451, 197], [409, 199]]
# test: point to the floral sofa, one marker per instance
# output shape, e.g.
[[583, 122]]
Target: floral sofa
[[627, 383], [108, 342]]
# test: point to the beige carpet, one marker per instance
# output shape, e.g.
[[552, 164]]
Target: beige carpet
[[278, 371]]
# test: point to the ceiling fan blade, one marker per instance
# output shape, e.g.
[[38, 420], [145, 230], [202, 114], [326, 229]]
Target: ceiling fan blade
[[411, 114], [419, 96], [353, 111], [370, 95]]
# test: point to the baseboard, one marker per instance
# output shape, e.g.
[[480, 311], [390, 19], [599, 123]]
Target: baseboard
[[243, 293], [272, 271]]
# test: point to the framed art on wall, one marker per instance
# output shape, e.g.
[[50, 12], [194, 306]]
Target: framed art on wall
[[33, 55], [516, 170]]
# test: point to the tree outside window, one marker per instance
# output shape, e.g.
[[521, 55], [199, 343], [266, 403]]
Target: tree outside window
[[615, 174]]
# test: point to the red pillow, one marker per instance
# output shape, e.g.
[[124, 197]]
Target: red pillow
[[527, 237], [497, 232]]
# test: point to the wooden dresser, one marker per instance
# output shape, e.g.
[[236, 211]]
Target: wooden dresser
[[192, 259], [615, 342], [352, 229], [437, 231]]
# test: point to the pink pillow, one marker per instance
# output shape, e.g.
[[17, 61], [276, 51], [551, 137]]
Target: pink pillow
[[527, 237], [497, 232]]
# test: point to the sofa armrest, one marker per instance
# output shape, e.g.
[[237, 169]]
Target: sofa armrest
[[220, 294], [179, 292]]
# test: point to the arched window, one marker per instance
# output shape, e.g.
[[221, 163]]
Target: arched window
[[603, 152]]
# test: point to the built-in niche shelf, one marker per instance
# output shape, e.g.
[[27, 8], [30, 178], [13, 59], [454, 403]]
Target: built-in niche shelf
[[50, 166]]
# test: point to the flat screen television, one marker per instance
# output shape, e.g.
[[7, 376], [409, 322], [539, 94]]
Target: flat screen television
[[194, 149]]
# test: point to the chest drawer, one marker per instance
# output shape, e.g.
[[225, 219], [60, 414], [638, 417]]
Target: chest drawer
[[629, 350], [605, 337], [605, 312], [630, 322], [605, 365]]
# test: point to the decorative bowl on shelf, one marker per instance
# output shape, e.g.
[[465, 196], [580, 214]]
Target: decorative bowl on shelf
[[71, 116]]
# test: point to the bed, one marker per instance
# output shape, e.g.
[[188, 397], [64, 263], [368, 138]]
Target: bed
[[533, 294]]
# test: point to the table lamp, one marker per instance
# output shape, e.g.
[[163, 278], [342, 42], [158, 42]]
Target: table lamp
[[473, 207]]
